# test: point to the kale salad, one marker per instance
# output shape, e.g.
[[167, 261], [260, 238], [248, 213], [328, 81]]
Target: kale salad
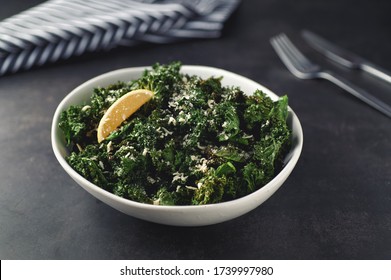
[[195, 142]]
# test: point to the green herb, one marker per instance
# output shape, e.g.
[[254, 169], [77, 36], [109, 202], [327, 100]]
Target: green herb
[[196, 142]]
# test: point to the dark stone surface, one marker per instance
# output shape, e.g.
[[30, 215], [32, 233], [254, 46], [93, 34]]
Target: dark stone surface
[[335, 205]]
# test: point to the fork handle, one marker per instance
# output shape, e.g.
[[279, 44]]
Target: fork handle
[[359, 93], [376, 71]]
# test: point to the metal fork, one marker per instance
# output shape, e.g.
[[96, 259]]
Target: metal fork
[[303, 68]]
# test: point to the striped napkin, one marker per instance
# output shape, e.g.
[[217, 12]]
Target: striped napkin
[[59, 29]]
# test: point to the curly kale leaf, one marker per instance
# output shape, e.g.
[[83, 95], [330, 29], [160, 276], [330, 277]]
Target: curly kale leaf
[[272, 147], [225, 169], [210, 190], [231, 153], [218, 185], [73, 124], [164, 197], [254, 176], [280, 110], [161, 79], [256, 115], [131, 191], [90, 166], [231, 122]]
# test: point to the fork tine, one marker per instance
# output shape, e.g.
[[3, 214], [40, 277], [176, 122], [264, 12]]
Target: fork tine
[[298, 55], [274, 41], [287, 58], [290, 55], [294, 60]]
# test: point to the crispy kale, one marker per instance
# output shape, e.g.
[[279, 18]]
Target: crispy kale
[[196, 142]]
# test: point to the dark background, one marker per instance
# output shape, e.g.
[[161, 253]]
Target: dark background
[[335, 205]]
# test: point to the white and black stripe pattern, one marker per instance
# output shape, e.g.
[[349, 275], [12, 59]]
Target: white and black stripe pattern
[[59, 29]]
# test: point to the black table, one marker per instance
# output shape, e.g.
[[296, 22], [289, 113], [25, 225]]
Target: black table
[[335, 205]]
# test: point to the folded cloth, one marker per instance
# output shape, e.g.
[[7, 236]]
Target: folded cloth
[[59, 29]]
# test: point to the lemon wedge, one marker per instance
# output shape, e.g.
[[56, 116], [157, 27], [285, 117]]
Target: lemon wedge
[[122, 109]]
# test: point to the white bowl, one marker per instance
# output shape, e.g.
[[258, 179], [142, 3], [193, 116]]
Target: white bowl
[[192, 215]]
